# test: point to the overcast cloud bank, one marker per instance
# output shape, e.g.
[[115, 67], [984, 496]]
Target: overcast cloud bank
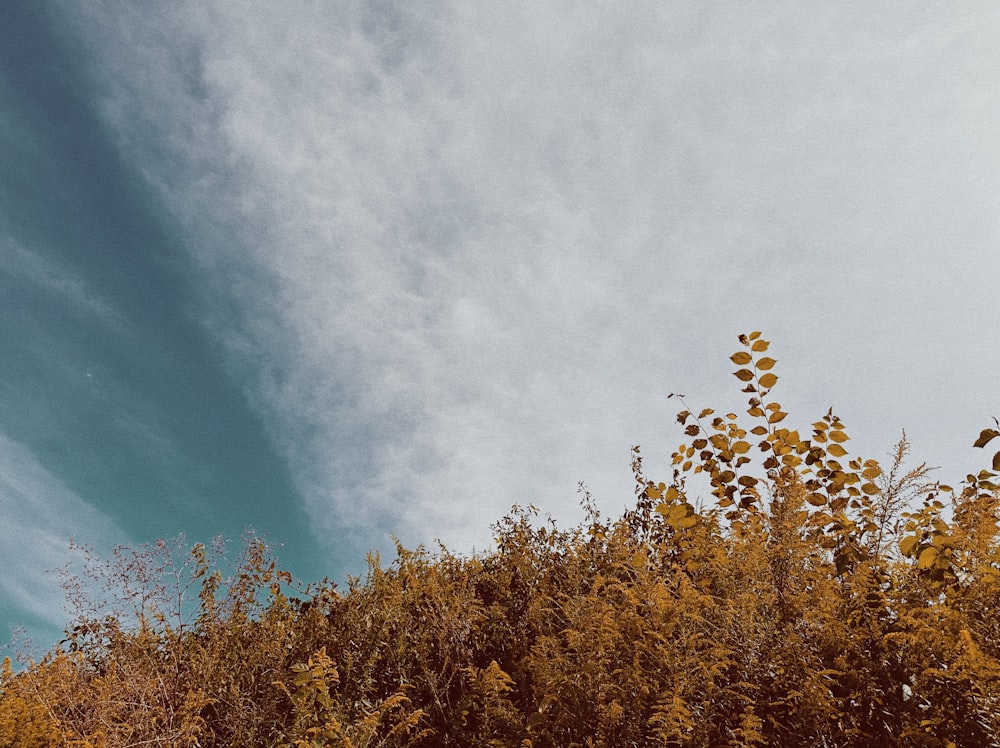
[[459, 255]]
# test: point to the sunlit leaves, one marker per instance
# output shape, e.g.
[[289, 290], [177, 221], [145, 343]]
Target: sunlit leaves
[[780, 598], [679, 516]]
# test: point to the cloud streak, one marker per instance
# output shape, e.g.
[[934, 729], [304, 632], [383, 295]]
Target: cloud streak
[[459, 255], [40, 516]]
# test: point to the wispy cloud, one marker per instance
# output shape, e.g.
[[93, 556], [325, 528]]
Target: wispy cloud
[[41, 516], [471, 249], [28, 267]]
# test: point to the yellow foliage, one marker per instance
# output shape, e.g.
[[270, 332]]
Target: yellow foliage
[[776, 590]]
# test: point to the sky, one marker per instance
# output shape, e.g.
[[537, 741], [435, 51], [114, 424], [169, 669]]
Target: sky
[[345, 272]]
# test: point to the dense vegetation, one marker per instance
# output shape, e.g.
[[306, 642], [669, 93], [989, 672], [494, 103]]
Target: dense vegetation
[[811, 599]]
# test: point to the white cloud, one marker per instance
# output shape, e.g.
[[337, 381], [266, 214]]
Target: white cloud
[[32, 268], [474, 247], [41, 516]]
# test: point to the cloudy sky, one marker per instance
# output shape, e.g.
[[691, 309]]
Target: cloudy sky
[[342, 271]]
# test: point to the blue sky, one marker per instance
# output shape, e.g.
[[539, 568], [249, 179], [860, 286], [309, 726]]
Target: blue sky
[[347, 271]]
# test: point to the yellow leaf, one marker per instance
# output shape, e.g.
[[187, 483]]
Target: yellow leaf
[[768, 380], [871, 473], [836, 450], [741, 358], [766, 363], [741, 447], [759, 346], [744, 375], [685, 522], [927, 557], [838, 436], [985, 437]]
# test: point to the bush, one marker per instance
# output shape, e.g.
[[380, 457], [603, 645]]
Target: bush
[[810, 598]]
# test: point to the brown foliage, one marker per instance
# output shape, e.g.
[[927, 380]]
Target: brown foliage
[[818, 600]]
